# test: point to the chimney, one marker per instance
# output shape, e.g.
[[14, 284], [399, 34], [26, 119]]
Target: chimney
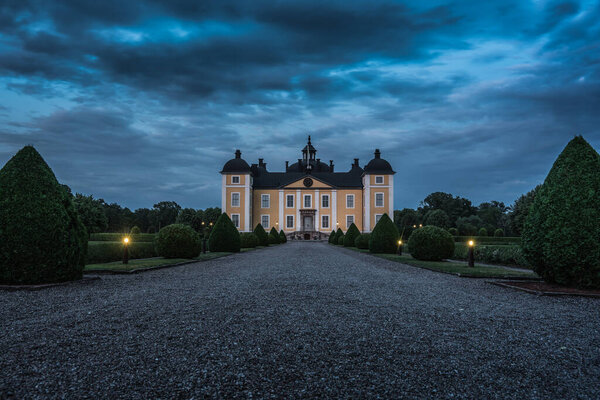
[[260, 162], [356, 162], [330, 165], [287, 164], [318, 164], [238, 153], [299, 164], [377, 153]]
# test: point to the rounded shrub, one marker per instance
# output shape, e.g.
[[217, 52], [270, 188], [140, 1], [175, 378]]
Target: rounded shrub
[[561, 237], [261, 234], [224, 236], [482, 232], [453, 231], [178, 241], [42, 239], [282, 237], [248, 240], [384, 238], [340, 240], [135, 230], [273, 236], [351, 236], [431, 243], [332, 236], [499, 232], [362, 241]]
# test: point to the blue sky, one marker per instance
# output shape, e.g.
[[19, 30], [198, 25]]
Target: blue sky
[[138, 102]]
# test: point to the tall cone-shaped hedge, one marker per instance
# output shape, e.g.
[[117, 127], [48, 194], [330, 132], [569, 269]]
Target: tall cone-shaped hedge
[[261, 234], [561, 237], [273, 236], [338, 234], [351, 236], [384, 238], [332, 236], [282, 237], [224, 236], [42, 239]]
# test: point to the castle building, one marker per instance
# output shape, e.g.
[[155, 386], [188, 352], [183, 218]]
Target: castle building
[[309, 199]]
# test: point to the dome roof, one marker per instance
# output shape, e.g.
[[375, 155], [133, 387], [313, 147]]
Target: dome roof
[[317, 166], [378, 165], [236, 164]]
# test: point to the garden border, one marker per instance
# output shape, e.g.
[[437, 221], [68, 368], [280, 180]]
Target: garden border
[[542, 293], [15, 288]]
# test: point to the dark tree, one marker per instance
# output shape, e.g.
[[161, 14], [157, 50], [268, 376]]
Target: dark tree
[[91, 213], [520, 210], [454, 206], [437, 218], [166, 213]]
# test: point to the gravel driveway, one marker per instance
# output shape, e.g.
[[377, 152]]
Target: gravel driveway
[[297, 320]]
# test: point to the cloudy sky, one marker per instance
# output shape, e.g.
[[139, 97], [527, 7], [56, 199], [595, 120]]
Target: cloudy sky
[[138, 102]]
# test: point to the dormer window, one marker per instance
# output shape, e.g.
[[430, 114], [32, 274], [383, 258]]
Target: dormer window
[[235, 180], [379, 180]]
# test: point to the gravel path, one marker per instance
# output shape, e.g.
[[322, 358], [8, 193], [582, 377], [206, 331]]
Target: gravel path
[[298, 320]]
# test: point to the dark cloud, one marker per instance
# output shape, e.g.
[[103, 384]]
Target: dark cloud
[[138, 102]]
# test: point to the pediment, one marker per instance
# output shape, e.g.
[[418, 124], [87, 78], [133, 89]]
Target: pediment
[[302, 184]]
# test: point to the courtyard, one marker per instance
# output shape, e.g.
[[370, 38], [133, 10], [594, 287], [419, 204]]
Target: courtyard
[[296, 320]]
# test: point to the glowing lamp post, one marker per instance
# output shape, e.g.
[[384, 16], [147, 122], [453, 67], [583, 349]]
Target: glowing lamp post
[[125, 250], [400, 247], [471, 256]]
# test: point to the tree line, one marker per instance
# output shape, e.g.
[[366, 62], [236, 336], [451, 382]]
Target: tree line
[[448, 211]]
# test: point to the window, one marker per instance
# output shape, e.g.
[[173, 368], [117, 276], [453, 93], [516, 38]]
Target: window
[[307, 201], [265, 200], [235, 179], [325, 221], [349, 201], [235, 199], [379, 180], [377, 218], [289, 202], [235, 218], [289, 221], [325, 201], [264, 221], [349, 220], [378, 199]]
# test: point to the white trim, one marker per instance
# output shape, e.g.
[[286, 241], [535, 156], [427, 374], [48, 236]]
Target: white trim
[[382, 179], [367, 203], [298, 203], [247, 203], [328, 200], [224, 194], [238, 182], [317, 221], [238, 224], [304, 200], [334, 220], [281, 196], [239, 199], [286, 221], [261, 200], [382, 199], [268, 221], [377, 215], [328, 222], [353, 201], [353, 220], [391, 201], [293, 201]]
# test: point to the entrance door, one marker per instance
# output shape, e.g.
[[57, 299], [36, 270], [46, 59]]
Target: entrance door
[[308, 223]]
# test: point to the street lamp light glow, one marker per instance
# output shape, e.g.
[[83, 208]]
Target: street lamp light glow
[[126, 240], [400, 242], [471, 243]]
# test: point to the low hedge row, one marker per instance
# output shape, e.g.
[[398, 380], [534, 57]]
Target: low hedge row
[[493, 254], [489, 239], [117, 237], [101, 252]]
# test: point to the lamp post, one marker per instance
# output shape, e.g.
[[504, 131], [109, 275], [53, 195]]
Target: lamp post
[[471, 256], [400, 247], [125, 250], [203, 238]]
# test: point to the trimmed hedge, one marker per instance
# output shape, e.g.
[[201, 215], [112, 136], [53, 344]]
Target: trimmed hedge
[[561, 238], [362, 241], [488, 239], [431, 243], [453, 231], [42, 239], [338, 234], [384, 238], [282, 237], [248, 240], [273, 236], [263, 237], [499, 233], [351, 236], [483, 232], [224, 236], [340, 240], [101, 252], [135, 231], [117, 237], [332, 236], [493, 254], [179, 241]]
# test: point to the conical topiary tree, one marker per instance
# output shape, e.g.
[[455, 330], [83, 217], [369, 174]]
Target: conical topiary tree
[[338, 234], [332, 236], [351, 236], [561, 237], [224, 236], [282, 237], [42, 239], [384, 238], [273, 236], [263, 237]]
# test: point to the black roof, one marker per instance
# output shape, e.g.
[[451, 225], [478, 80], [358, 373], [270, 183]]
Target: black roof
[[264, 179], [378, 165], [236, 164]]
